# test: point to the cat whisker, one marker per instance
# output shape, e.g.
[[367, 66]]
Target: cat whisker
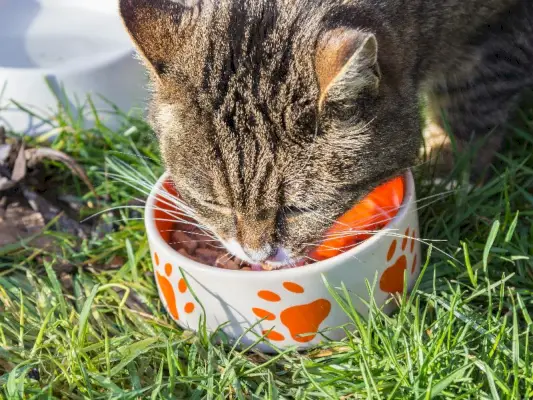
[[192, 233], [385, 232], [146, 189], [311, 258], [389, 208], [125, 207], [180, 220], [134, 155], [319, 215], [127, 170], [427, 243], [195, 240], [163, 195], [372, 222], [214, 239], [225, 257], [342, 249], [389, 233]]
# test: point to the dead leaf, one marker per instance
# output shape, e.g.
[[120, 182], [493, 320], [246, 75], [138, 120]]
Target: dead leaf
[[133, 301], [5, 152], [74, 202], [35, 202], [19, 223], [257, 357], [34, 156], [329, 352], [6, 184], [17, 214], [66, 281], [19, 169], [3, 202], [49, 212], [5, 366], [116, 262], [60, 266]]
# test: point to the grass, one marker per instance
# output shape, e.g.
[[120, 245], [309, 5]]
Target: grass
[[464, 333]]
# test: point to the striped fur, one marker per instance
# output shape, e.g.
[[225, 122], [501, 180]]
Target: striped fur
[[268, 142]]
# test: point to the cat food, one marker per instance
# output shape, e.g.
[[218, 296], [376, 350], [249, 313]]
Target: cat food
[[191, 242], [358, 224]]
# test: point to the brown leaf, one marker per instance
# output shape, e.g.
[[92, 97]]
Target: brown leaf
[[34, 156], [17, 214], [49, 212], [66, 281], [20, 223], [133, 301], [329, 352], [116, 262], [3, 202], [5, 152], [6, 184], [5, 366], [19, 169], [59, 265]]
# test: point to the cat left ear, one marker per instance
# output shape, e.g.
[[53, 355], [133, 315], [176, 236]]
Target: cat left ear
[[153, 26], [346, 63]]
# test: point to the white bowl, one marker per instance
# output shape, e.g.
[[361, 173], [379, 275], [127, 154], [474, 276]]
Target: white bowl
[[292, 302], [76, 45]]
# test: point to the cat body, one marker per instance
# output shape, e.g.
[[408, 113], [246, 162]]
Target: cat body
[[275, 116]]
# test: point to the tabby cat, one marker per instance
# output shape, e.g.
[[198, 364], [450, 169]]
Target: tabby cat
[[275, 116]]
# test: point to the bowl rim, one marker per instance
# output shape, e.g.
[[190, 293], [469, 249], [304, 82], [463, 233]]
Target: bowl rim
[[314, 268]]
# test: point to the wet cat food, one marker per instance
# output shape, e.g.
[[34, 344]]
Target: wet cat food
[[358, 224], [191, 242]]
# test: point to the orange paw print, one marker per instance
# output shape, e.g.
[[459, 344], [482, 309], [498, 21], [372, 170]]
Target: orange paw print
[[392, 278], [302, 321], [168, 290]]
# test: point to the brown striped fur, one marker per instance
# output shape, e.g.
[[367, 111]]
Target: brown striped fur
[[275, 116]]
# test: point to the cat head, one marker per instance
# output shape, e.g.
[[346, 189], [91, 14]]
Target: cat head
[[273, 119]]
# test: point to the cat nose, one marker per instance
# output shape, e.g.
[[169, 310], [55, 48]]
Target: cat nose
[[262, 254]]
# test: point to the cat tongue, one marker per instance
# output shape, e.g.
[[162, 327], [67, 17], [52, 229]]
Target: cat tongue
[[256, 267]]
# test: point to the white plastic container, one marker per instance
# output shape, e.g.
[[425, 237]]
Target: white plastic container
[[75, 47]]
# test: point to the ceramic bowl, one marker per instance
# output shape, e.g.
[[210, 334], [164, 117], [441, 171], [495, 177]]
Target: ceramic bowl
[[288, 307], [65, 50]]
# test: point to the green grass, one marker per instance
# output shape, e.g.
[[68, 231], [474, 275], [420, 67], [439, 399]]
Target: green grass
[[465, 332]]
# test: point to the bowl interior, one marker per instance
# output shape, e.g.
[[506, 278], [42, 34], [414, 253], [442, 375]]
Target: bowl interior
[[51, 33], [160, 207]]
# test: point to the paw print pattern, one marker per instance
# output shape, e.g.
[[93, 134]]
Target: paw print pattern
[[399, 260], [168, 291], [302, 321]]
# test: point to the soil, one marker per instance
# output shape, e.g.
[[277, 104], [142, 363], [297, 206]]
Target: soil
[[33, 202]]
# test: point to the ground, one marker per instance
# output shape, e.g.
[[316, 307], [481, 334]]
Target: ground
[[82, 318]]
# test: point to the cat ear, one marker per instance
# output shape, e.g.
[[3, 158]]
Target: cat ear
[[153, 27], [346, 64]]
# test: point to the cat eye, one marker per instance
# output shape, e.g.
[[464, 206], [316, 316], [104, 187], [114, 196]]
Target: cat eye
[[291, 211], [217, 207]]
